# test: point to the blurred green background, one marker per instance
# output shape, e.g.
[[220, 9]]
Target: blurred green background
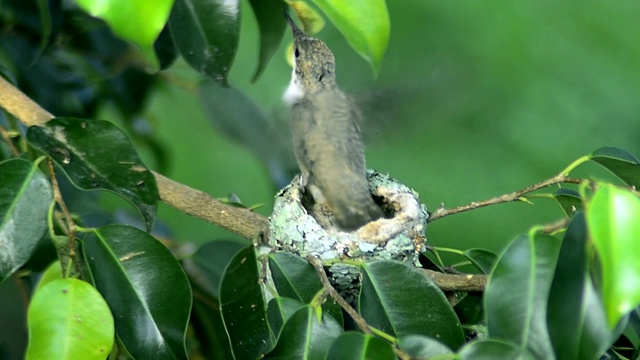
[[475, 99]]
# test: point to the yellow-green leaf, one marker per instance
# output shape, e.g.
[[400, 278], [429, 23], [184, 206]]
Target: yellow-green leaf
[[613, 219], [365, 25]]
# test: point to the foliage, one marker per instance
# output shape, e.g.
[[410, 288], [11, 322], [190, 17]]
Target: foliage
[[568, 291]]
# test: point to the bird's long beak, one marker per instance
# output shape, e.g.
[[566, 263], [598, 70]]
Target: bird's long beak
[[292, 24]]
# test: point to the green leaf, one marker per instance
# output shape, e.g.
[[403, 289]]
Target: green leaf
[[51, 273], [210, 260], [422, 347], [304, 337], [517, 291], [206, 33], [385, 305], [355, 345], [243, 306], [272, 24], [25, 195], [165, 49], [294, 277], [623, 164], [482, 259], [494, 349], [95, 155], [145, 287], [68, 319], [280, 309], [569, 200], [576, 319], [206, 320], [613, 216], [138, 21], [365, 25], [470, 309]]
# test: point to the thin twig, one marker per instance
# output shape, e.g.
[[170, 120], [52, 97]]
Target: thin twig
[[7, 138], [71, 226], [326, 283], [514, 196]]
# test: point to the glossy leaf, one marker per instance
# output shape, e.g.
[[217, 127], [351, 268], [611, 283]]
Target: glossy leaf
[[355, 345], [138, 21], [493, 349], [422, 347], [206, 33], [482, 259], [97, 155], [365, 25], [294, 277], [304, 337], [68, 319], [612, 218], [210, 261], [312, 21], [25, 195], [569, 200], [517, 291], [623, 164], [280, 309], [271, 24], [385, 305], [244, 310], [576, 319], [208, 326], [145, 287], [51, 273]]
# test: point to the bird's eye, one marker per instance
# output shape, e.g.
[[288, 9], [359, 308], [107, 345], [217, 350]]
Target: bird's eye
[[296, 52], [321, 77]]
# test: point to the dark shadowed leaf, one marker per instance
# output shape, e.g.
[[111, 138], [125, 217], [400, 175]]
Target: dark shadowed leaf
[[492, 350], [422, 347], [623, 164], [355, 345], [68, 320], [206, 33], [244, 310], [137, 21], [165, 49], [210, 261], [482, 259], [385, 305], [206, 320], [516, 294], [280, 310], [612, 218], [470, 309], [569, 200], [97, 155], [239, 118], [25, 195], [294, 277], [304, 337], [145, 287], [365, 25], [576, 319], [272, 24]]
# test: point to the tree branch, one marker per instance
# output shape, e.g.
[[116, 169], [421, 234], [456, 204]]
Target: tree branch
[[514, 196]]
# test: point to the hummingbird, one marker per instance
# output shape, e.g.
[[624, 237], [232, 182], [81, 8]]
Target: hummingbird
[[326, 137]]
